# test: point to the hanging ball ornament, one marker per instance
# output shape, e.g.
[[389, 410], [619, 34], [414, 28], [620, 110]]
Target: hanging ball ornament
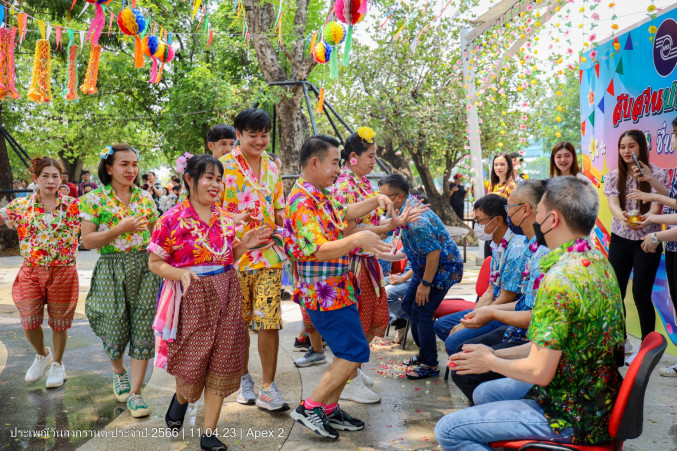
[[334, 33], [322, 52]]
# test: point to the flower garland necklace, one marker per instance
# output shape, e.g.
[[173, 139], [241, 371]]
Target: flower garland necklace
[[31, 215], [577, 245], [495, 275], [250, 178], [331, 205]]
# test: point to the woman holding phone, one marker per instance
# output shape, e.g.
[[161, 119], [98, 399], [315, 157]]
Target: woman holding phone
[[629, 224]]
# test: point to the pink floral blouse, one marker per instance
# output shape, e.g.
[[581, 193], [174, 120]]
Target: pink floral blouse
[[182, 239], [350, 189], [611, 190]]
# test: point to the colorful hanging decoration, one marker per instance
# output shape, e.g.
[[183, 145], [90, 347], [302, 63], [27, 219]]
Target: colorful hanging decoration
[[320, 101], [70, 91], [350, 12], [156, 50], [132, 23], [98, 21], [40, 89], [334, 34], [7, 78], [92, 75], [21, 20], [322, 52]]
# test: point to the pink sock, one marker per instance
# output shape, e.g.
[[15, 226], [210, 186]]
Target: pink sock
[[329, 408], [308, 404]]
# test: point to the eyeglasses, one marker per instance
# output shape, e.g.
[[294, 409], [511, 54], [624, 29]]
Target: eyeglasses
[[485, 220], [509, 206]]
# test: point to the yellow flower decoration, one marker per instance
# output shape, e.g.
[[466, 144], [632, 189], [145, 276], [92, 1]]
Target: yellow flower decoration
[[366, 134]]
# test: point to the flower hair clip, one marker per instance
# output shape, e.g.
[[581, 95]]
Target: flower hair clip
[[366, 134], [107, 152], [182, 161], [138, 155]]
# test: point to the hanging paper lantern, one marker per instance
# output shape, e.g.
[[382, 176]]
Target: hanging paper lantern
[[7, 89], [89, 85], [156, 50], [132, 23], [40, 89], [70, 92], [334, 33], [98, 21], [350, 12], [322, 52]]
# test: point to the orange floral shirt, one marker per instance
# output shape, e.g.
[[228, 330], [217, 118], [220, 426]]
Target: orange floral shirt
[[45, 238]]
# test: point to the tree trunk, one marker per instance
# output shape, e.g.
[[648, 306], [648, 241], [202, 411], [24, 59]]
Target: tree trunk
[[397, 163], [438, 202], [293, 128], [5, 169], [72, 168]]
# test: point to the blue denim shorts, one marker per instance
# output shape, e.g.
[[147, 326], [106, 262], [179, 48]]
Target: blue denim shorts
[[342, 330]]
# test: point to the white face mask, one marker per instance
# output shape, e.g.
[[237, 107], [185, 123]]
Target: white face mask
[[480, 233]]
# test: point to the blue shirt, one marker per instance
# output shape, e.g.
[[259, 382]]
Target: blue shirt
[[671, 245], [426, 235], [509, 262], [531, 279]]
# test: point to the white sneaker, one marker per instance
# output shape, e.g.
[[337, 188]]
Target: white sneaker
[[56, 374], [355, 390], [246, 395], [368, 381], [628, 346], [668, 371], [37, 369]]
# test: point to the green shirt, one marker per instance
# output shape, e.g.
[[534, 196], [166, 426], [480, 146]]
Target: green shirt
[[578, 311], [105, 210]]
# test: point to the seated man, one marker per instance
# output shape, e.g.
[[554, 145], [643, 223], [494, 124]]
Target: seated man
[[508, 257], [397, 287], [521, 210], [436, 264], [577, 340]]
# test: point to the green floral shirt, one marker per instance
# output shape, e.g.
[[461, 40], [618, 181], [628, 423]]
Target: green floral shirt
[[103, 208], [578, 310]]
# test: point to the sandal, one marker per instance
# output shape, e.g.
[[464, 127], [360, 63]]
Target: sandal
[[422, 372], [416, 360]]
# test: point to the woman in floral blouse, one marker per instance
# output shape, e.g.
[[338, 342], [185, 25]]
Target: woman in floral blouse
[[48, 224], [193, 248], [625, 251], [117, 219]]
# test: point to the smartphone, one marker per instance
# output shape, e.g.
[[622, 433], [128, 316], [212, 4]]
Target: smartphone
[[634, 158]]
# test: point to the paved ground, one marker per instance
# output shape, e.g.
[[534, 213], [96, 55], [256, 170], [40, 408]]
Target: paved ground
[[84, 413]]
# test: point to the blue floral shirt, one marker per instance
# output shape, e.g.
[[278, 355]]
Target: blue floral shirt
[[507, 263], [671, 245], [531, 279], [426, 235]]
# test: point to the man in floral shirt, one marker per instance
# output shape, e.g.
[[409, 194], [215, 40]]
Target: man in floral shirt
[[253, 185], [576, 335], [314, 241], [437, 265]]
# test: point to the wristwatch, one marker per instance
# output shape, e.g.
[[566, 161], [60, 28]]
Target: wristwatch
[[654, 238], [425, 283]]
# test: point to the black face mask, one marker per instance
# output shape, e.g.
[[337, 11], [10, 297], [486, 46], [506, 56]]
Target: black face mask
[[540, 236]]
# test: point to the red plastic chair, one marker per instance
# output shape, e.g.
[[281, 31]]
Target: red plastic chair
[[455, 305], [627, 415]]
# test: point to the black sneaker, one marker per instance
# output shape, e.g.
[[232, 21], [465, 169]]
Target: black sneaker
[[211, 443], [301, 346], [342, 421], [315, 420]]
